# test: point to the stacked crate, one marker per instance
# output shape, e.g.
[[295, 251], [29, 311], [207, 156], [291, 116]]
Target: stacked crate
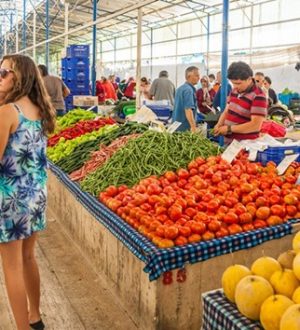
[[76, 72]]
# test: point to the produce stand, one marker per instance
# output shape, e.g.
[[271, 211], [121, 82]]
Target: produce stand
[[219, 314], [133, 267]]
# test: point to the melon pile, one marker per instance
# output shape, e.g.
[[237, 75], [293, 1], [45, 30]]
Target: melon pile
[[269, 291]]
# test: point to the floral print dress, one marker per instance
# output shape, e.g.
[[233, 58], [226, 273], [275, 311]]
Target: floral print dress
[[23, 179]]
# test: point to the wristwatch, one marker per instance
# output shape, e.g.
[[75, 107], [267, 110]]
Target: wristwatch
[[229, 131]]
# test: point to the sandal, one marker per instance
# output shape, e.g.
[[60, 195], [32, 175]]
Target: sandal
[[39, 325]]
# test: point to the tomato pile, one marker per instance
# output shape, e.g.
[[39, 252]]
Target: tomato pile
[[210, 199]]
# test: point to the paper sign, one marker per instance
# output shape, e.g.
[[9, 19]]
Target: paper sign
[[232, 150], [252, 155], [174, 127], [285, 163], [298, 179]]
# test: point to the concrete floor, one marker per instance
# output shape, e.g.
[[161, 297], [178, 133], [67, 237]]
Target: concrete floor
[[73, 296]]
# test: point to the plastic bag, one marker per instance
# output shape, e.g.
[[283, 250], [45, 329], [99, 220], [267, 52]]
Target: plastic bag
[[272, 128]]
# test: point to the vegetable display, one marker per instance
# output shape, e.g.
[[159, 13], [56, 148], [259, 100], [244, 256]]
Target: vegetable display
[[82, 152], [210, 199], [98, 158], [151, 154], [72, 117], [80, 128]]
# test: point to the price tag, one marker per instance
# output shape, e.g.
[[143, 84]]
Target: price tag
[[285, 163], [232, 150], [174, 127], [298, 180]]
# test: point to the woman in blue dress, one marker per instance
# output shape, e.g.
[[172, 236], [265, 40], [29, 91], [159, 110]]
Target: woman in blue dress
[[26, 116]]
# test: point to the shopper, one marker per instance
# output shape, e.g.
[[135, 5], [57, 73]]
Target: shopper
[[217, 83], [260, 80], [162, 88], [212, 79], [56, 89], [205, 96], [109, 90], [25, 118], [271, 93], [247, 108], [100, 92], [129, 90], [144, 90], [217, 98], [185, 104]]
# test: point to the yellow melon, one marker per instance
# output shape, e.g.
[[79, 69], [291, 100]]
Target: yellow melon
[[296, 242], [231, 277], [284, 282], [296, 296], [296, 266], [250, 293], [265, 267], [272, 309], [290, 320], [286, 259]]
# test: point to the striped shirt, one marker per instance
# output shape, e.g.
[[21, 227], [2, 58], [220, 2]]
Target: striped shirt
[[251, 102]]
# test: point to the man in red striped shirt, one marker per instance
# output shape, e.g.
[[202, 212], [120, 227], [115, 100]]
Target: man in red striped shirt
[[247, 107]]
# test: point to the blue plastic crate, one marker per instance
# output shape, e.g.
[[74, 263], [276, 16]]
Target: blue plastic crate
[[78, 63], [162, 112], [78, 84], [77, 75], [78, 51], [276, 154]]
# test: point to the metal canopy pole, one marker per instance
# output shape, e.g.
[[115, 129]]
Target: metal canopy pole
[[24, 25], [34, 36], [94, 48], [138, 57], [66, 24], [208, 40], [224, 59], [47, 34]]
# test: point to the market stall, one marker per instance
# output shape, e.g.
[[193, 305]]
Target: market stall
[[109, 185], [134, 268]]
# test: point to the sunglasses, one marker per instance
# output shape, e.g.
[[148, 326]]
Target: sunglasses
[[5, 72]]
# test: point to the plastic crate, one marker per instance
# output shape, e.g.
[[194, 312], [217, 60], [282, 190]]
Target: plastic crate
[[162, 112], [77, 75], [276, 154], [79, 86], [78, 51]]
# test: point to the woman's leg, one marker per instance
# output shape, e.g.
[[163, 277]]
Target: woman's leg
[[12, 261], [31, 278]]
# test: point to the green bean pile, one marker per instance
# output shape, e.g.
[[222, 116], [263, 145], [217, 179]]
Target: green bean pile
[[151, 154], [82, 152]]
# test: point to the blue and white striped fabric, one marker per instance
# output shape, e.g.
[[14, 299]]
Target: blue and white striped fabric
[[220, 314], [158, 260]]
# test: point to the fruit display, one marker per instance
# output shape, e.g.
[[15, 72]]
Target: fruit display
[[273, 296], [209, 199]]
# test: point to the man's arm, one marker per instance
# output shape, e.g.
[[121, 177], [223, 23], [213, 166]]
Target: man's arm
[[190, 118], [221, 119], [254, 125]]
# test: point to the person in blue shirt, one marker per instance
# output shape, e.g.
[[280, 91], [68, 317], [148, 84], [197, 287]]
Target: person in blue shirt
[[185, 103]]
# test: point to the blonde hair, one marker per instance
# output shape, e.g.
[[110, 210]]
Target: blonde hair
[[28, 82]]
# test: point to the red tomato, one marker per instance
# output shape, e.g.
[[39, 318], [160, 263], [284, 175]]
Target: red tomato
[[231, 201], [208, 235], [171, 232], [181, 240], [214, 225], [191, 212], [246, 217], [247, 226], [194, 238], [201, 217], [171, 176], [274, 199], [259, 223], [160, 231], [165, 243], [274, 220], [154, 189], [154, 224], [230, 218], [212, 206], [261, 201], [111, 191], [198, 227], [246, 187], [193, 172], [290, 199], [222, 233], [263, 212], [183, 174], [291, 210], [208, 197], [184, 231], [193, 165], [175, 212], [158, 210], [278, 210], [234, 229], [240, 209]]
